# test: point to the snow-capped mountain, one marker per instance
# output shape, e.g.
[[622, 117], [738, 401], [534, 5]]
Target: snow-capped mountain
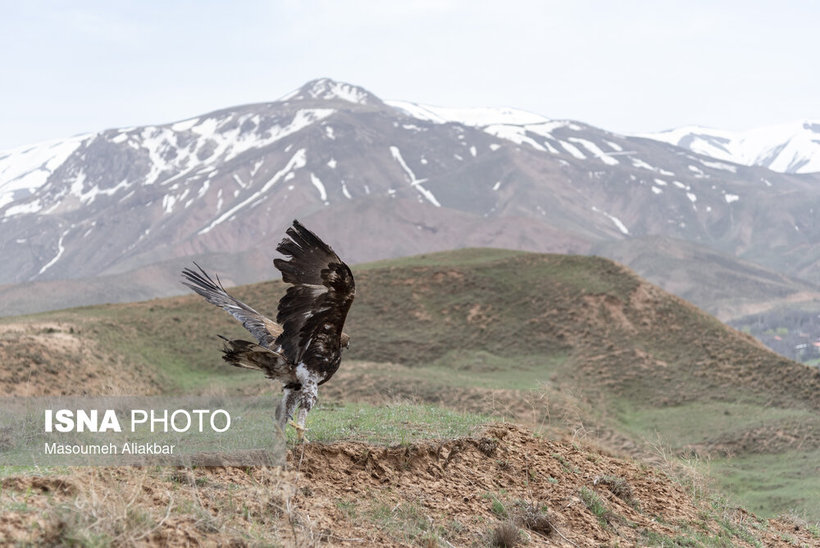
[[787, 148], [382, 179]]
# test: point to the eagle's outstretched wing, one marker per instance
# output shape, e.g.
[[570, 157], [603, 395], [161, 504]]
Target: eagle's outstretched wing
[[264, 329], [313, 311]]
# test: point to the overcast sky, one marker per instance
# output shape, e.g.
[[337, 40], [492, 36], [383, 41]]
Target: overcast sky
[[78, 66]]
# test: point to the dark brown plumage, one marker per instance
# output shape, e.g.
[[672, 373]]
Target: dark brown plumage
[[302, 349], [313, 311]]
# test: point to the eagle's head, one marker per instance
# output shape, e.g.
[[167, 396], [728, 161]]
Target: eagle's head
[[345, 340]]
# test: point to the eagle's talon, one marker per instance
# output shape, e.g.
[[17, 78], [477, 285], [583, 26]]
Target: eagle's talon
[[300, 431]]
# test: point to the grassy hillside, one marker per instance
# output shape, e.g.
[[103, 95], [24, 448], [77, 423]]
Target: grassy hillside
[[554, 341], [451, 485]]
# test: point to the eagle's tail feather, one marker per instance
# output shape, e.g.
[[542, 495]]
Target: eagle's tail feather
[[248, 355], [236, 353]]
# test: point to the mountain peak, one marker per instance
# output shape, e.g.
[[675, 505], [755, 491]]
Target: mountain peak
[[325, 89]]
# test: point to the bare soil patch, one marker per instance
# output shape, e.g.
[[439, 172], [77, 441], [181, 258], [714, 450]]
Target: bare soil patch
[[53, 359], [436, 493]]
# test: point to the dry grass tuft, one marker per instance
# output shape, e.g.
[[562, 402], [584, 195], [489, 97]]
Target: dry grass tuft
[[618, 487], [104, 516], [487, 446], [506, 535], [533, 517]]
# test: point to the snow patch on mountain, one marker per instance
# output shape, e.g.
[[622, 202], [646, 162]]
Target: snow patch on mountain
[[33, 206], [297, 161], [414, 182], [320, 187], [173, 153], [595, 150], [60, 251], [787, 148], [572, 149], [518, 126], [616, 221], [475, 117], [218, 140], [25, 169]]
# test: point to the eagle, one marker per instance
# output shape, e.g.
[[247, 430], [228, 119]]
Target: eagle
[[302, 349]]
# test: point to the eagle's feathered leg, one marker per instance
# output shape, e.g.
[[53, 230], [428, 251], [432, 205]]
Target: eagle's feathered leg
[[286, 407], [309, 394]]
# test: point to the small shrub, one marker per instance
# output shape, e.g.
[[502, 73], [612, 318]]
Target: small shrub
[[184, 476], [533, 517], [506, 535], [487, 446], [498, 508], [595, 505], [567, 466], [348, 508], [620, 488]]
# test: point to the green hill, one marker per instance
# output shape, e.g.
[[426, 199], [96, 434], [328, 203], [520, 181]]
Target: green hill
[[554, 340]]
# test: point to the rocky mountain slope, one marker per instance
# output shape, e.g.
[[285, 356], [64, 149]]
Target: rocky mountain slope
[[389, 179]]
